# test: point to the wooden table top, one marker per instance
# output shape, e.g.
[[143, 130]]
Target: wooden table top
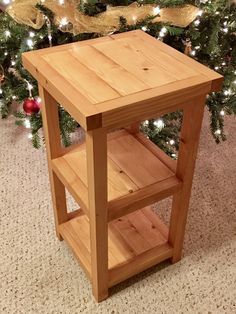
[[117, 79]]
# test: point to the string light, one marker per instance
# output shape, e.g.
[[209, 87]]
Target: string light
[[30, 43], [216, 68], [61, 2], [1, 91], [63, 21], [30, 136], [197, 22], [134, 18], [159, 124], [13, 62], [146, 122], [5, 53], [172, 142], [225, 30], [7, 33], [156, 10], [193, 52], [144, 28], [163, 32], [200, 12], [222, 113], [13, 97], [31, 34], [218, 132], [27, 124]]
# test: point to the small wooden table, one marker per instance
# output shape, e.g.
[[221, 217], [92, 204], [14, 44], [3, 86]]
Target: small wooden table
[[107, 84]]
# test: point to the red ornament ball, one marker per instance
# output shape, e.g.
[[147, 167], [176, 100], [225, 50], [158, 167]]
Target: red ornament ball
[[31, 106]]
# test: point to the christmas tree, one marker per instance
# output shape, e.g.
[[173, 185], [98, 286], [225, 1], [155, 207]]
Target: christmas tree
[[210, 38]]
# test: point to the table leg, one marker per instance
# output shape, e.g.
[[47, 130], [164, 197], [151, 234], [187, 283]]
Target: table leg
[[49, 109], [96, 146], [190, 133]]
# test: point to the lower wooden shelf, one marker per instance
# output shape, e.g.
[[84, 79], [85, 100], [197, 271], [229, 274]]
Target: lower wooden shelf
[[136, 242]]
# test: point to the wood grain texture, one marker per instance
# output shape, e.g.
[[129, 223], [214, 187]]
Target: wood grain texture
[[135, 242], [51, 130], [134, 77], [190, 134], [96, 149], [128, 189]]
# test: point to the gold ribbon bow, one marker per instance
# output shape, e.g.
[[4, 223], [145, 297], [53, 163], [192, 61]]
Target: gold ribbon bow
[[24, 12]]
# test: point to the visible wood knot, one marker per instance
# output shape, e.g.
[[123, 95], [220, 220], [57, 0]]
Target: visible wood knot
[[145, 69], [131, 191], [121, 171], [153, 227]]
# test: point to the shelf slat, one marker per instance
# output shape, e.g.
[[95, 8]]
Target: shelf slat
[[143, 197], [137, 175], [135, 242]]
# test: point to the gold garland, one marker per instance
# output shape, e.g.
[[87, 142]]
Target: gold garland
[[24, 12]]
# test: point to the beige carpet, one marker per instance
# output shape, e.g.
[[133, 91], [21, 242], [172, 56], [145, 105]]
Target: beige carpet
[[38, 274]]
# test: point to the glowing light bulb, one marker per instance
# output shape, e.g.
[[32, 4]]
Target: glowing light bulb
[[13, 97], [159, 124], [1, 91], [144, 28], [193, 52], [27, 124], [5, 53], [218, 132], [146, 122], [156, 10], [225, 30], [134, 18], [7, 33], [222, 113], [63, 21], [197, 22], [216, 68], [30, 43], [200, 12], [30, 136], [172, 142], [6, 2], [61, 2], [13, 62], [31, 34]]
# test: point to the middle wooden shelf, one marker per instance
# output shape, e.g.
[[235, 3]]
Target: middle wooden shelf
[[139, 173]]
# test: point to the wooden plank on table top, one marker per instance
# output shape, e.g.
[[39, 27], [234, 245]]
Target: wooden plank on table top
[[119, 184], [71, 46], [133, 61], [65, 94], [153, 102], [137, 161], [178, 69], [213, 76], [80, 77], [109, 71]]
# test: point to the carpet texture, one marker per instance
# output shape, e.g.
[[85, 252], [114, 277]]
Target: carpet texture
[[39, 274]]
